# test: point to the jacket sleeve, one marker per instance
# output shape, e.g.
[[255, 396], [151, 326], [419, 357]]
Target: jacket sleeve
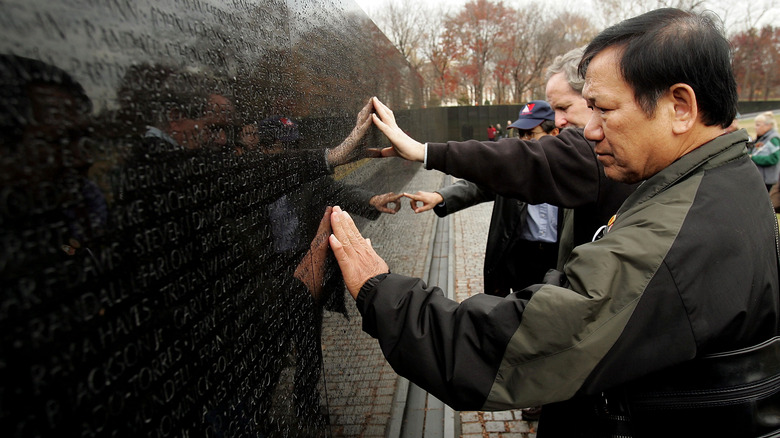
[[769, 159], [561, 170], [461, 195], [451, 350]]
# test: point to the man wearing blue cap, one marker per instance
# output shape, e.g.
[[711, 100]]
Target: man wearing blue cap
[[523, 238], [536, 120]]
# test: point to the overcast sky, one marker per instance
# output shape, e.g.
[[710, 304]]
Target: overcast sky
[[730, 10]]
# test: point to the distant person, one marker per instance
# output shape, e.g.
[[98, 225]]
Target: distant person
[[766, 150], [491, 133]]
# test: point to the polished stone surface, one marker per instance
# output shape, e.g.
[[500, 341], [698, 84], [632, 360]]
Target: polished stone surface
[[166, 168]]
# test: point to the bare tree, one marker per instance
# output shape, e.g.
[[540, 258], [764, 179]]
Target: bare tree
[[404, 22], [479, 26], [442, 51], [535, 39]]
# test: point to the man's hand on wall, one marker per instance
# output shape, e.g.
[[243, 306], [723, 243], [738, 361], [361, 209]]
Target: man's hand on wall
[[428, 199], [403, 145], [357, 259]]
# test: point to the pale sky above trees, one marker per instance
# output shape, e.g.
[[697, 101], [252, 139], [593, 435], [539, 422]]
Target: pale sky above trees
[[492, 51], [737, 15]]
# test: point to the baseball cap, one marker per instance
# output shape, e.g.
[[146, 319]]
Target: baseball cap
[[533, 114]]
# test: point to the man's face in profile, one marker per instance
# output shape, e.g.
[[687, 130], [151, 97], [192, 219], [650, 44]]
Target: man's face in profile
[[571, 110], [631, 145]]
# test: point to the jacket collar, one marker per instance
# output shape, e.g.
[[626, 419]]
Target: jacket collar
[[716, 152]]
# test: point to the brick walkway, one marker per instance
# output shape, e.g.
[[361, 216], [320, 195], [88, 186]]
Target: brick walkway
[[470, 230]]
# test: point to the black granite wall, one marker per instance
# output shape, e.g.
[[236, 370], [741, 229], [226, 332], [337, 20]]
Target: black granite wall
[[166, 166]]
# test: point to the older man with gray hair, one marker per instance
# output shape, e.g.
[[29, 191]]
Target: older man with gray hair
[[564, 90]]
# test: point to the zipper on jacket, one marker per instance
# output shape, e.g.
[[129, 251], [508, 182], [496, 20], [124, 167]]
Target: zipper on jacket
[[704, 398]]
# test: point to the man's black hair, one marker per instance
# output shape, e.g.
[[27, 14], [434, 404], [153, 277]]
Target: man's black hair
[[669, 46]]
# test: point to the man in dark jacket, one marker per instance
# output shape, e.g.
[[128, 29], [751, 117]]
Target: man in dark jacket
[[663, 285]]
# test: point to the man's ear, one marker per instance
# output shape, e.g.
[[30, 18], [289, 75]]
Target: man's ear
[[686, 110]]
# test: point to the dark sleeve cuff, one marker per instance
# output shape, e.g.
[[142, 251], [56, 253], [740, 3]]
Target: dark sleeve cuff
[[368, 287], [441, 208], [435, 153]]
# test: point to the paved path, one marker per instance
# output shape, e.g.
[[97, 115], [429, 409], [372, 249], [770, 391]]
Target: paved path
[[469, 231]]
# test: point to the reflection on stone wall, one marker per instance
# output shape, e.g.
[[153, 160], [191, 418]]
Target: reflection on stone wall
[[166, 169]]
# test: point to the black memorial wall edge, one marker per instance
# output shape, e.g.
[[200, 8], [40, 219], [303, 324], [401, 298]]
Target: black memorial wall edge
[[166, 169]]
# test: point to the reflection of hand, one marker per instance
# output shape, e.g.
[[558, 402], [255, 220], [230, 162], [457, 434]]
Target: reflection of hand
[[357, 259], [311, 270], [428, 199], [403, 145], [348, 149], [380, 202]]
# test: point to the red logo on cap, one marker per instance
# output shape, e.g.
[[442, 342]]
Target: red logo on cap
[[528, 108]]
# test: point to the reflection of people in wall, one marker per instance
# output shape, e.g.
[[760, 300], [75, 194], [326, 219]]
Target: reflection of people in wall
[[53, 223], [45, 147], [248, 138], [245, 214], [303, 271]]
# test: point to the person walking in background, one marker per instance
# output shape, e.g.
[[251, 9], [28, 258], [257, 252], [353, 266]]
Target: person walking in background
[[491, 132], [766, 151]]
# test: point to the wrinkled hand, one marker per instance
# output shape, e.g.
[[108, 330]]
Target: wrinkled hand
[[428, 199], [311, 269], [380, 202], [357, 259], [403, 145], [350, 149]]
